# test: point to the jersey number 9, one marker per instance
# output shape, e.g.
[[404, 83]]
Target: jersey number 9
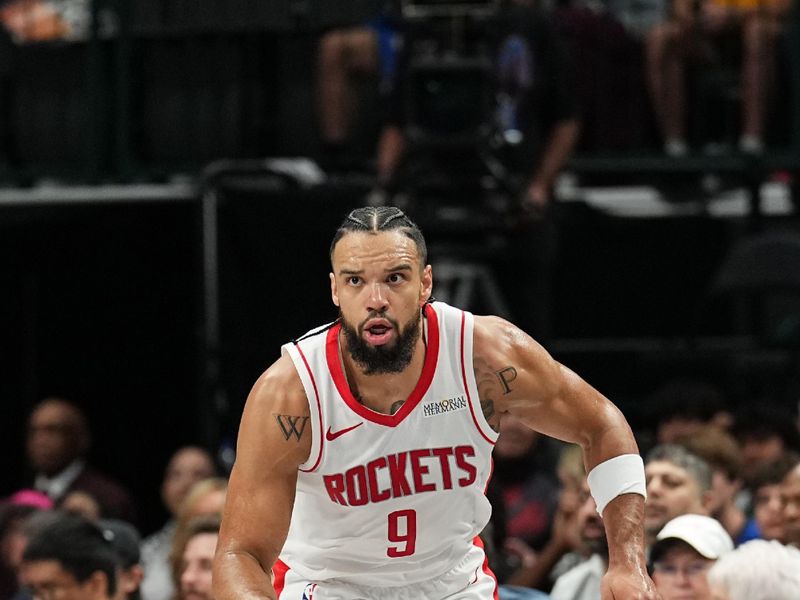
[[402, 530]]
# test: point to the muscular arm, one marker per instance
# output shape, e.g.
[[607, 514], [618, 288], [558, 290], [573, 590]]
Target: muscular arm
[[516, 375], [274, 439]]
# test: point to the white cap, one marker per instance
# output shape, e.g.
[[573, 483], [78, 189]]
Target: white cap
[[702, 533]]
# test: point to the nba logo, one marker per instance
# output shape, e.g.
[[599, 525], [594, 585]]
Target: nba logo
[[308, 593]]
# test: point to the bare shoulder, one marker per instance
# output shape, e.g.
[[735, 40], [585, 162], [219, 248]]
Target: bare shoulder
[[280, 386], [510, 367], [497, 341], [277, 414]]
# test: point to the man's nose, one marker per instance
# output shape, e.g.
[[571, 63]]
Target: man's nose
[[377, 297], [188, 576]]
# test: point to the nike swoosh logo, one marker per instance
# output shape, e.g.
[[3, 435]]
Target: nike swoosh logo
[[332, 435]]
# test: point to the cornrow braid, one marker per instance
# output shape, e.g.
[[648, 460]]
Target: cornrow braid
[[374, 219]]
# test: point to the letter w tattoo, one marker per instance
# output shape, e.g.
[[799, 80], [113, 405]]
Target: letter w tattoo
[[291, 426]]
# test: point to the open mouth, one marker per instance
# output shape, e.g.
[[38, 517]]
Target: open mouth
[[378, 333]]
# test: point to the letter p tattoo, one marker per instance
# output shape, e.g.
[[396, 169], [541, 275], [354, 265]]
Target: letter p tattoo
[[506, 376]]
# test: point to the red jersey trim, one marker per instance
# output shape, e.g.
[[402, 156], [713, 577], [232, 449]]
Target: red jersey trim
[[466, 383], [424, 382], [488, 571], [319, 411], [279, 570]]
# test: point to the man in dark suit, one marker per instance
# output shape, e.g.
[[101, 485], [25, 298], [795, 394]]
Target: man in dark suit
[[57, 444]]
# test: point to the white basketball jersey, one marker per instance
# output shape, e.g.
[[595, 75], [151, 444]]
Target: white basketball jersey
[[391, 500]]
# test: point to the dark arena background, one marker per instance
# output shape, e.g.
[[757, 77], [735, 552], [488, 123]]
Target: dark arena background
[[166, 208]]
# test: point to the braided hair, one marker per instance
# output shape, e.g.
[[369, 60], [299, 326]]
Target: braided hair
[[375, 219]]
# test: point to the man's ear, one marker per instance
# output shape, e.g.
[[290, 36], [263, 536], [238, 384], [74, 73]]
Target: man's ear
[[98, 585], [334, 292], [426, 286], [131, 579]]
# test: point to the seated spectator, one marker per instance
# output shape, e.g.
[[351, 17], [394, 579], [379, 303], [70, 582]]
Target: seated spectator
[[23, 530], [125, 540], [205, 499], [196, 548], [694, 31], [685, 550], [14, 513], [790, 496], [187, 466], [583, 581], [345, 53], [566, 548], [69, 559], [767, 503], [523, 468], [757, 570], [720, 450], [678, 483], [57, 446]]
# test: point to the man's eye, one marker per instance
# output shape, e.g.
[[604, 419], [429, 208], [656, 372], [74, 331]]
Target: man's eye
[[395, 278], [354, 280]]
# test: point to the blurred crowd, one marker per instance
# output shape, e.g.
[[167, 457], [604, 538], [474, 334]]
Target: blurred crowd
[[723, 503]]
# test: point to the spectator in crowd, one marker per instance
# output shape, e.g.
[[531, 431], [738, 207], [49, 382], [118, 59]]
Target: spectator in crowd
[[694, 30], [70, 559], [720, 450], [187, 466], [345, 53], [790, 496], [196, 548], [685, 550], [125, 540], [566, 547], [767, 504], [25, 529], [523, 462], [206, 498], [15, 511], [582, 582], [766, 431], [12, 544], [681, 406], [678, 483], [57, 446], [757, 570]]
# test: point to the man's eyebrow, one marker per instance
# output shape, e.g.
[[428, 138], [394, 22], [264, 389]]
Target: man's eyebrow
[[350, 272], [400, 267]]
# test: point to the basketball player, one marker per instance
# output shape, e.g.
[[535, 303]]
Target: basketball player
[[365, 450]]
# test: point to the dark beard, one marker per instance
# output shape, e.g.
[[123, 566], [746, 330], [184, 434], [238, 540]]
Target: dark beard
[[377, 360]]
